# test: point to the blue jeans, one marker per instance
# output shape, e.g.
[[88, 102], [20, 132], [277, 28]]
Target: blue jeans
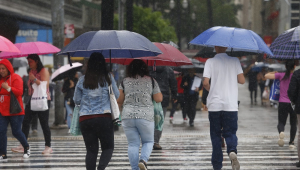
[[15, 123], [138, 130], [69, 113], [222, 123]]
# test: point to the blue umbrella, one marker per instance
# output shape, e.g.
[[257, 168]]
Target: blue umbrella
[[236, 39], [112, 44], [286, 45]]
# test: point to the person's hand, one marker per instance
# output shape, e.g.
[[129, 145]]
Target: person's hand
[[71, 83], [253, 64], [185, 84], [205, 108], [5, 85], [197, 89], [31, 76], [174, 101]]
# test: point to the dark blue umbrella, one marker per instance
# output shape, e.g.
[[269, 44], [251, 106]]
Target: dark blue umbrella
[[236, 39], [111, 43], [286, 45]]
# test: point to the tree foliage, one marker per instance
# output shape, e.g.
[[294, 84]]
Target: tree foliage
[[151, 25]]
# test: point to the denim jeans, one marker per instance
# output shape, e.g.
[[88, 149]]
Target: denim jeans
[[225, 123], [69, 113], [15, 123], [134, 130]]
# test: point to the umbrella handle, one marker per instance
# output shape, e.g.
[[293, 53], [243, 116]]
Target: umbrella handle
[[69, 58]]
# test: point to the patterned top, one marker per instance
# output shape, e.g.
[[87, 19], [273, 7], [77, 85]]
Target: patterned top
[[138, 98], [30, 82]]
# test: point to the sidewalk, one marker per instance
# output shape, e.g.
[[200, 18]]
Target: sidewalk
[[255, 121]]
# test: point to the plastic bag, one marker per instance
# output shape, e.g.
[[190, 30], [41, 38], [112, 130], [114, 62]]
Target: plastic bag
[[158, 116], [275, 91], [39, 101], [75, 128], [265, 94]]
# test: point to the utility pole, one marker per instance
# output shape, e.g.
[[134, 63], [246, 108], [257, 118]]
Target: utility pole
[[129, 15], [57, 16], [121, 14], [210, 13], [107, 15]]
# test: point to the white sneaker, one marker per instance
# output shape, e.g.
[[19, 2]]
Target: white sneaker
[[26, 153], [18, 149], [234, 161], [171, 120], [281, 141], [292, 146]]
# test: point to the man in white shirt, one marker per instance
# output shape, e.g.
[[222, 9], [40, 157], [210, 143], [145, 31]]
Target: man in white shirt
[[225, 73]]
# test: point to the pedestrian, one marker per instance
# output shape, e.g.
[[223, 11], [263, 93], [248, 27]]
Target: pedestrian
[[284, 107], [10, 82], [294, 96], [37, 74], [261, 83], [252, 74], [180, 100], [92, 94], [167, 82], [191, 96], [225, 73], [68, 90], [137, 91]]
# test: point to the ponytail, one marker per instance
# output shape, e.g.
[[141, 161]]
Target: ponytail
[[289, 65]]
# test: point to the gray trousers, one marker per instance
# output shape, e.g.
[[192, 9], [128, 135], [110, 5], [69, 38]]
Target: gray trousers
[[157, 133]]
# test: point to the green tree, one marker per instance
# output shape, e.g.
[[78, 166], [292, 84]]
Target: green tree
[[151, 25]]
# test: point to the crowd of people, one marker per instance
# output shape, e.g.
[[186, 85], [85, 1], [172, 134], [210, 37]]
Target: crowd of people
[[135, 96]]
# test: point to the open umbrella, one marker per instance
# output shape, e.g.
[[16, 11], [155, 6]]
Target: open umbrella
[[19, 63], [65, 70], [236, 39], [171, 57], [27, 48], [111, 43], [6, 45], [286, 45]]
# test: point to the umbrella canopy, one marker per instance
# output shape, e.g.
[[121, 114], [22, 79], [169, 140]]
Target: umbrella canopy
[[259, 65], [65, 70], [236, 39], [6, 45], [209, 52], [286, 45], [27, 48], [19, 63], [277, 67], [171, 57], [111, 43]]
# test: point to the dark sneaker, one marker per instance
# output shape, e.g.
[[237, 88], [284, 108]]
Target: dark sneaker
[[26, 153], [192, 124], [3, 158], [156, 146], [234, 161], [142, 165]]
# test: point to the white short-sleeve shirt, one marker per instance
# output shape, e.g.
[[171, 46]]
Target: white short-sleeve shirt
[[223, 93]]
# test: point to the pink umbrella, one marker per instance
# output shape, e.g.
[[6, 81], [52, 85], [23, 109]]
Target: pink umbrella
[[27, 48], [171, 57], [6, 45]]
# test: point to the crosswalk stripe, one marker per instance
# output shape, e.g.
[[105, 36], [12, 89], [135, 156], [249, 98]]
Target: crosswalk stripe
[[177, 154]]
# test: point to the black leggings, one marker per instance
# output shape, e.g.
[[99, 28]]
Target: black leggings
[[43, 117], [190, 103], [251, 95], [93, 130], [284, 109]]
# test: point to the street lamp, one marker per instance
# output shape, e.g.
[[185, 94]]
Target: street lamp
[[172, 4], [185, 4]]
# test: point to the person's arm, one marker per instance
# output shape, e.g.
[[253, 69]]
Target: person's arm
[[241, 78], [184, 83], [270, 75], [206, 84], [77, 94], [16, 86], [121, 98], [158, 97], [293, 89]]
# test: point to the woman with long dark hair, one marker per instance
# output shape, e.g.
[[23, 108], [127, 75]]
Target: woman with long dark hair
[[285, 108], [136, 94], [92, 94], [37, 74]]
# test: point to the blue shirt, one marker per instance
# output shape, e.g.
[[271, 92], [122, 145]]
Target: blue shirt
[[95, 101]]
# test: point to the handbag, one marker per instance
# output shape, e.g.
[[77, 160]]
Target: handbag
[[15, 106], [115, 112], [75, 128], [158, 116], [39, 97]]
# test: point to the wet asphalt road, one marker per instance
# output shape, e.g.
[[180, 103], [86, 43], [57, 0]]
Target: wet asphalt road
[[184, 147]]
